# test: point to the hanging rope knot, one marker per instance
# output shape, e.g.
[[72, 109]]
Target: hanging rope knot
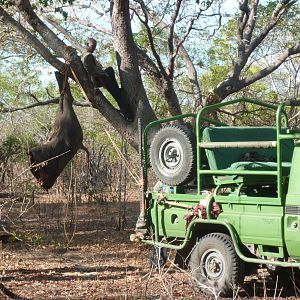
[[66, 69], [69, 52], [68, 55], [65, 73]]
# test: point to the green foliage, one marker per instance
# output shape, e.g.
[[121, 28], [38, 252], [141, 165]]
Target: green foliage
[[20, 79], [13, 148], [223, 48], [159, 39], [43, 3], [7, 3], [223, 51], [58, 5]]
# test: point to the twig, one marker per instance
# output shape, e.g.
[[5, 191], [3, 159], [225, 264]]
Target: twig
[[39, 164], [69, 239], [9, 293], [128, 166], [6, 231], [148, 279]]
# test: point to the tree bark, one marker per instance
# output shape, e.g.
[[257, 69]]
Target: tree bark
[[130, 75], [127, 59], [51, 47], [247, 44]]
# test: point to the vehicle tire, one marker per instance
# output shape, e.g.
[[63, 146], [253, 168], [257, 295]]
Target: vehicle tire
[[172, 155], [215, 266], [286, 277]]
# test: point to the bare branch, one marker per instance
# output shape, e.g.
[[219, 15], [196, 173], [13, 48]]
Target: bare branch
[[191, 70], [280, 9], [246, 24], [89, 24], [57, 45], [242, 20], [10, 56], [150, 37], [147, 64], [247, 36], [191, 26], [272, 67], [171, 54], [66, 34], [43, 103]]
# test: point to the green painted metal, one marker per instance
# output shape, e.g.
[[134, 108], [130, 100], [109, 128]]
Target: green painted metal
[[279, 115], [255, 224], [279, 152], [145, 157], [293, 195], [269, 221], [243, 199], [237, 172], [235, 240], [289, 136], [292, 216]]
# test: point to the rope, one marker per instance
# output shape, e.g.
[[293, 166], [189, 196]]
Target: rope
[[128, 166], [80, 86], [65, 74]]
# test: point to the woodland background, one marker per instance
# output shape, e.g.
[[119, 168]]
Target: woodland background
[[171, 57]]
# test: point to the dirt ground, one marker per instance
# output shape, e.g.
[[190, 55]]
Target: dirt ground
[[100, 262]]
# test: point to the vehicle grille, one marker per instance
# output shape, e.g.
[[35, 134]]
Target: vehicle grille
[[292, 210]]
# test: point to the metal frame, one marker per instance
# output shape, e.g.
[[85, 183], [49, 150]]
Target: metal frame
[[281, 117]]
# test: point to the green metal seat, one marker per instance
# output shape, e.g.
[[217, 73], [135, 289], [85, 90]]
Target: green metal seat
[[249, 149], [261, 166]]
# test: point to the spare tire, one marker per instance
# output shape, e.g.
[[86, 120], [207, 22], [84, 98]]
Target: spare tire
[[172, 155]]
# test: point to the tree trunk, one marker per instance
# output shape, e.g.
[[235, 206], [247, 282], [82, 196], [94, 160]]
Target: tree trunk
[[130, 75]]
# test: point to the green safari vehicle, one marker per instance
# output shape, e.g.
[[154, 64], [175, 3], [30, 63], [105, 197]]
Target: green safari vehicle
[[227, 197]]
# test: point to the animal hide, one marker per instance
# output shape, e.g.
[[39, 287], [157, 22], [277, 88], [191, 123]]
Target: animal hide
[[48, 160]]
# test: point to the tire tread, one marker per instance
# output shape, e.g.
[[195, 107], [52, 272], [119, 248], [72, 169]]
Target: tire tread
[[189, 173], [237, 265]]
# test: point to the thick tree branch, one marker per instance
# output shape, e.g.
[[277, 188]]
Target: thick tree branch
[[56, 44], [278, 12], [32, 40], [272, 67], [183, 54], [171, 53], [246, 47], [77, 71], [148, 65], [247, 35], [246, 25], [129, 72], [165, 83], [227, 87], [242, 20]]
